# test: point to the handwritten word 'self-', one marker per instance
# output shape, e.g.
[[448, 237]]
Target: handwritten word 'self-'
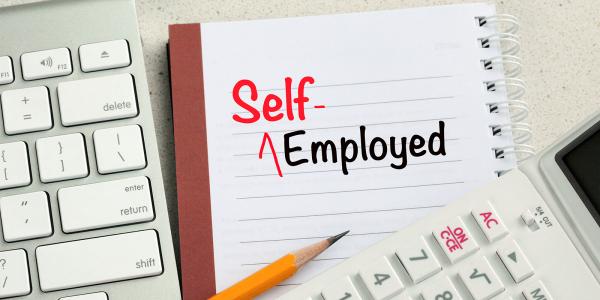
[[272, 103]]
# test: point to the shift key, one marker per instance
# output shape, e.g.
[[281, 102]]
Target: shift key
[[105, 204], [99, 260], [97, 99]]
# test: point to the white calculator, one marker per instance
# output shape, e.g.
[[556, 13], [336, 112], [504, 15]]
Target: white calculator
[[533, 234]]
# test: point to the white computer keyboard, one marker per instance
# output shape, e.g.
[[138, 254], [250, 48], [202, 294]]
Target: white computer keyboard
[[82, 207], [501, 242]]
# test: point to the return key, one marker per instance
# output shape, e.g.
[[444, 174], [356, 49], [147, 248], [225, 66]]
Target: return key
[[105, 204]]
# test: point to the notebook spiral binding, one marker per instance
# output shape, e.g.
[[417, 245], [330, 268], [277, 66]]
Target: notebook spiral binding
[[507, 40]]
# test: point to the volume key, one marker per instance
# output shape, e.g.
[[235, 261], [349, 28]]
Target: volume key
[[47, 63]]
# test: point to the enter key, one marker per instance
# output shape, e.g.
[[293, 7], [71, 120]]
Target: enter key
[[105, 204]]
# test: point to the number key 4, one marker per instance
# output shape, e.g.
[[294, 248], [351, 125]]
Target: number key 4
[[381, 279]]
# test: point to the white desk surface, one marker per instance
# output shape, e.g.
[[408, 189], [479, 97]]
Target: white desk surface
[[560, 48]]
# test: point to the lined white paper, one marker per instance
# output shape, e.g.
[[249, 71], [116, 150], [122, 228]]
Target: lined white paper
[[396, 72]]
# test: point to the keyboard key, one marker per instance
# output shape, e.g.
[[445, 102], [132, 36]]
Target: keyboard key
[[94, 296], [489, 222], [418, 260], [62, 157], [381, 279], [537, 292], [106, 98], [25, 216], [14, 165], [99, 260], [14, 274], [104, 55], [26, 110], [47, 63], [105, 204], [341, 290], [455, 240], [119, 149], [480, 279], [441, 289], [6, 70], [515, 261]]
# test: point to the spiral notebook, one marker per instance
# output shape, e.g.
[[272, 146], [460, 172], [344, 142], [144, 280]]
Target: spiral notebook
[[291, 130]]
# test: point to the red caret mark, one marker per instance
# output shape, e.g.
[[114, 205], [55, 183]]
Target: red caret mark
[[267, 138]]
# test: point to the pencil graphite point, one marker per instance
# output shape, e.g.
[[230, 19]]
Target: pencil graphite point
[[335, 238], [306, 254]]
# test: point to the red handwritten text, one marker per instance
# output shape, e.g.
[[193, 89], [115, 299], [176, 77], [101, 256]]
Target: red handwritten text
[[272, 103]]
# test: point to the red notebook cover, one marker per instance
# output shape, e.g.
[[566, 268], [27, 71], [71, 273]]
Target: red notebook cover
[[191, 154]]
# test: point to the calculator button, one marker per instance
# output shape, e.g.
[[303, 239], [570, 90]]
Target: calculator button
[[481, 281], [106, 98], [104, 55], [341, 290], [441, 289], [94, 296], [25, 216], [26, 110], [455, 240], [62, 157], [14, 278], [489, 222], [105, 204], [515, 261], [381, 279], [418, 261], [537, 292], [47, 63], [6, 70], [119, 149], [14, 165]]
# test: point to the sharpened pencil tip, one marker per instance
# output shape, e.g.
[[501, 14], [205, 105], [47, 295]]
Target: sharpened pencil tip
[[335, 238]]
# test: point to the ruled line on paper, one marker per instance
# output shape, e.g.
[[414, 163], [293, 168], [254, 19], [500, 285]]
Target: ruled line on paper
[[328, 149], [354, 83], [341, 213], [348, 126], [350, 191], [313, 237], [315, 259], [349, 169], [361, 104]]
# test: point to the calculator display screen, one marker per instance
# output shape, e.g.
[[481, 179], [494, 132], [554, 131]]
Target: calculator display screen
[[581, 164]]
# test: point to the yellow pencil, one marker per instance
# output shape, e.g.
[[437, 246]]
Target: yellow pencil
[[276, 272]]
